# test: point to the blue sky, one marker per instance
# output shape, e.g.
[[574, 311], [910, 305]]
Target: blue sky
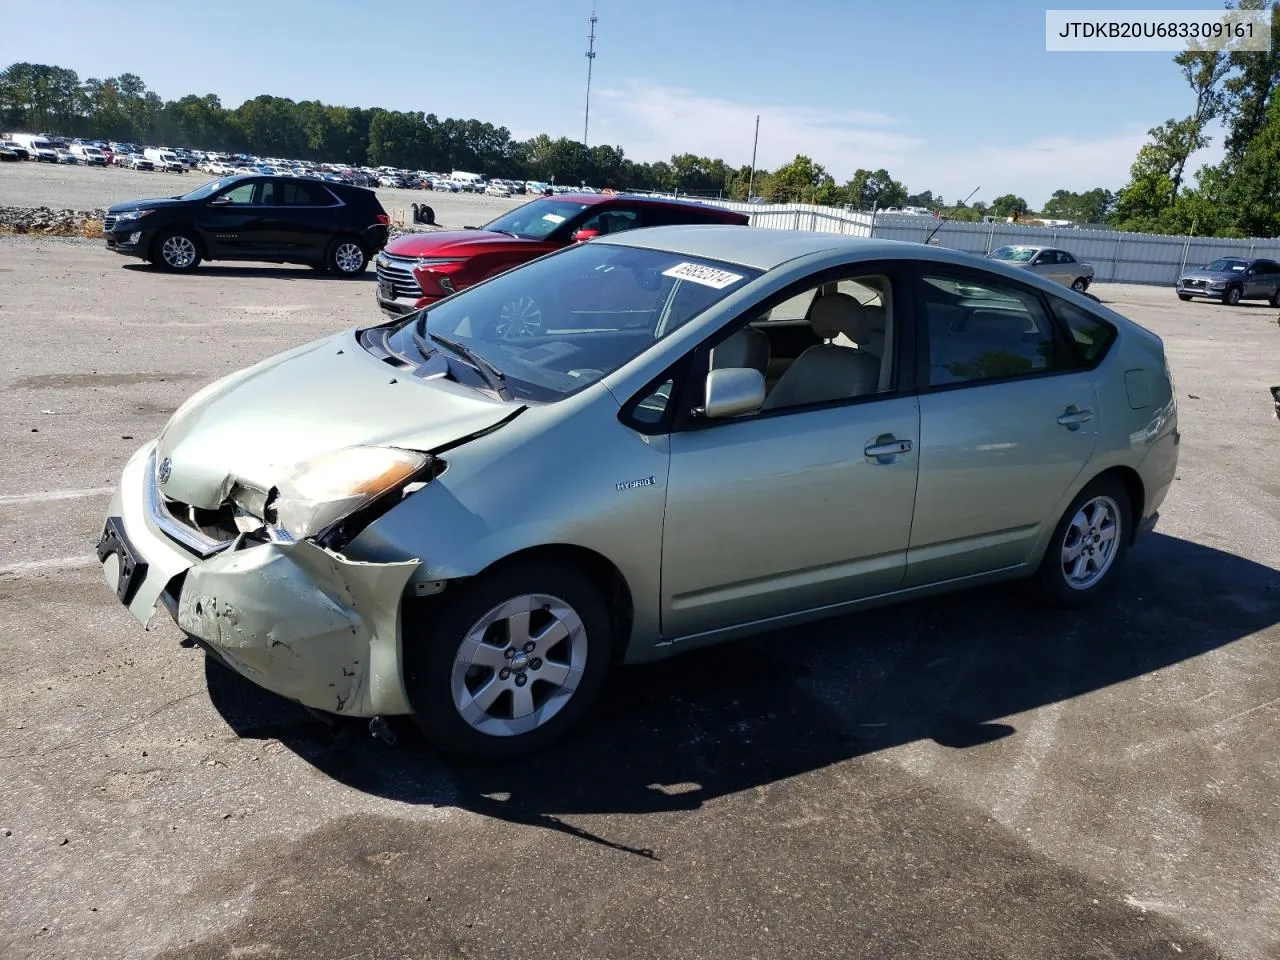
[[947, 96]]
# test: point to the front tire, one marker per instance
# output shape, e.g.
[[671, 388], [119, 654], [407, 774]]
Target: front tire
[[346, 257], [511, 662], [1231, 297], [1184, 297], [176, 250], [1087, 545]]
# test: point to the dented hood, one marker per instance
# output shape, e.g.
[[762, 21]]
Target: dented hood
[[251, 426]]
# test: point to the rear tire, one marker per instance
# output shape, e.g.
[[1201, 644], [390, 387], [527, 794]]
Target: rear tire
[[1087, 545], [1232, 296], [346, 257], [1275, 299], [555, 659], [1080, 284], [176, 250]]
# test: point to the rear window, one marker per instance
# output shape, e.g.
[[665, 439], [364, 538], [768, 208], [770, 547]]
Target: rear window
[[1091, 335]]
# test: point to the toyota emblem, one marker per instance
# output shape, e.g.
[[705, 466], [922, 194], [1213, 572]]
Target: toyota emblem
[[166, 468]]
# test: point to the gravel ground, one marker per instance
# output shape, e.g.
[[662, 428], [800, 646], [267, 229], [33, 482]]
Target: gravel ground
[[87, 188], [962, 777]]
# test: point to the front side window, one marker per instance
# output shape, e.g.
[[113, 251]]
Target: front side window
[[613, 220], [831, 342], [982, 329], [536, 220], [245, 194], [561, 323]]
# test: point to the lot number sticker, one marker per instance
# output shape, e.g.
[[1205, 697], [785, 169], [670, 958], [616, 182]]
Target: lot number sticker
[[707, 276]]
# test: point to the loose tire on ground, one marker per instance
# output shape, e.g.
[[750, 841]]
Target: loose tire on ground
[[439, 644]]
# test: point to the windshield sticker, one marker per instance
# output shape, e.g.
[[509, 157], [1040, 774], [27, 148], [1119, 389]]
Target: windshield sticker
[[553, 217], [707, 276]]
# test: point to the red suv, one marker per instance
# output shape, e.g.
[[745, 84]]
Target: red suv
[[417, 269]]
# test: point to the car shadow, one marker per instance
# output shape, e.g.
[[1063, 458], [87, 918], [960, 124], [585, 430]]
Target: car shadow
[[214, 271], [678, 734]]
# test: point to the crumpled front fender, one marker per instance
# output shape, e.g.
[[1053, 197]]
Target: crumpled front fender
[[305, 623]]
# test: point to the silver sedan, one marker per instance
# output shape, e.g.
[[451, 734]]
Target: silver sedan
[[710, 432], [1048, 262]]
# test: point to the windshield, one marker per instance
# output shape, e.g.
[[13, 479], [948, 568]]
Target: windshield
[[42, 145], [1014, 254], [1227, 265], [559, 324], [210, 188], [536, 220]]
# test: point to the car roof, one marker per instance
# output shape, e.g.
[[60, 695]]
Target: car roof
[[762, 248]]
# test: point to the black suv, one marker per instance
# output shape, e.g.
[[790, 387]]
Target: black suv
[[329, 226]]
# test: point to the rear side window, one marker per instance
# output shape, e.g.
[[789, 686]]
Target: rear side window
[[1091, 336], [981, 330]]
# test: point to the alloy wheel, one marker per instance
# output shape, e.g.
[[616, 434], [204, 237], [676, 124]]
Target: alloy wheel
[[1090, 543], [519, 665], [178, 252], [348, 257]]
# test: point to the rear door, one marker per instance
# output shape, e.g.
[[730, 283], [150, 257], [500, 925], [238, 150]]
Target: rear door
[[1262, 284], [302, 219], [1008, 420]]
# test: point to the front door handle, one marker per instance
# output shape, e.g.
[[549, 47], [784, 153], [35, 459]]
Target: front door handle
[[886, 449], [1074, 417]]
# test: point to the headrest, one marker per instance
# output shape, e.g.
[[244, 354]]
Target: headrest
[[835, 313]]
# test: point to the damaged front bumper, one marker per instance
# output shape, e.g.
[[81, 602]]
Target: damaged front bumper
[[296, 619]]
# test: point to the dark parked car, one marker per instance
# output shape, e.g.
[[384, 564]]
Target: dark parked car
[[1232, 279], [1275, 396], [328, 226]]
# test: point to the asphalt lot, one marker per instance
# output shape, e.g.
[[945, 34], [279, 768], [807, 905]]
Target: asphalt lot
[[964, 777], [90, 188]]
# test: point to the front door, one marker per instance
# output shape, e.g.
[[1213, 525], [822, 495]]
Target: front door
[[806, 503], [236, 222], [1007, 423]]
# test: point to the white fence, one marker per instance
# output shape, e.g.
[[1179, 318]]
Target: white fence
[[1116, 257]]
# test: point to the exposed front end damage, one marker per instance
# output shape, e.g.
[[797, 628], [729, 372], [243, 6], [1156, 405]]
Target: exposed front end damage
[[303, 622]]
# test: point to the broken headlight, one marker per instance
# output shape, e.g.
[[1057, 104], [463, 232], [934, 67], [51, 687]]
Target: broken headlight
[[316, 494]]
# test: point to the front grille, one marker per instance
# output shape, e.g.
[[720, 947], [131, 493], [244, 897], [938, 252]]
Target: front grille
[[1193, 283], [108, 223], [399, 271]]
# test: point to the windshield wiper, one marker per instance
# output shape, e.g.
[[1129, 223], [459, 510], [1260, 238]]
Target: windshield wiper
[[495, 378], [507, 232]]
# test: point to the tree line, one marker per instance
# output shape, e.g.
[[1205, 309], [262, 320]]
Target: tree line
[[1238, 197], [40, 98]]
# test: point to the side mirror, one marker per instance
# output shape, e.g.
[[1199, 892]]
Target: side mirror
[[584, 235], [220, 201], [733, 391]]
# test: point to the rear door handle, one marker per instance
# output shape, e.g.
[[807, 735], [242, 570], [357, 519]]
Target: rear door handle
[[886, 450], [1074, 417]]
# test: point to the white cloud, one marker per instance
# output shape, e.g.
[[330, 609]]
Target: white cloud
[[652, 122]]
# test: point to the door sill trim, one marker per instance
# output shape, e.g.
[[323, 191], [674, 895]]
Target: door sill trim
[[748, 627]]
